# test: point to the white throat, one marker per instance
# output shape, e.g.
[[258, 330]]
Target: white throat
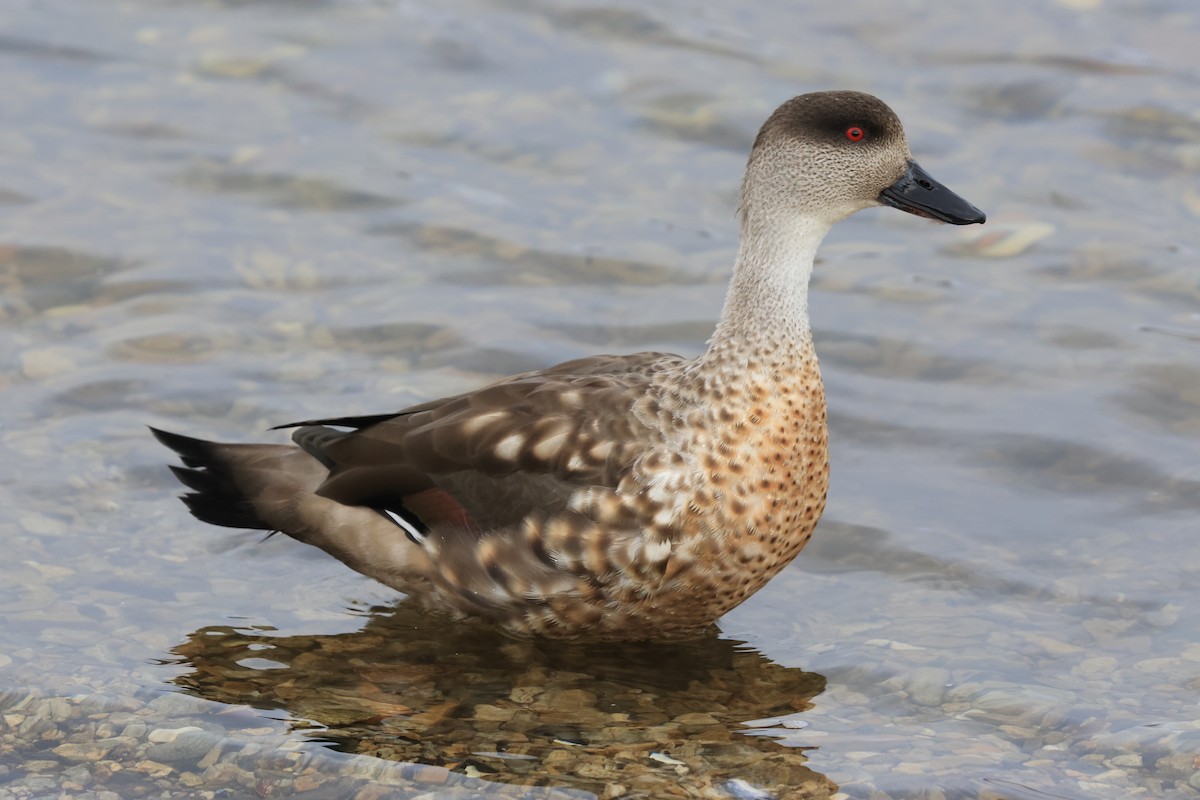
[[766, 309]]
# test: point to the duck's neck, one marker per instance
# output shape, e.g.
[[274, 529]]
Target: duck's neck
[[764, 322]]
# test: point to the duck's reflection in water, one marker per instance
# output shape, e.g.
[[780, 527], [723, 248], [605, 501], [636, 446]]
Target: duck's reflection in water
[[641, 720]]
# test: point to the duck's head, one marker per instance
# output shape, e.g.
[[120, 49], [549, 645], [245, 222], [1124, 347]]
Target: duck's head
[[826, 155]]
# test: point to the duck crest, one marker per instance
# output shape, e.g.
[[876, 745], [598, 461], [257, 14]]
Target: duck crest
[[613, 497]]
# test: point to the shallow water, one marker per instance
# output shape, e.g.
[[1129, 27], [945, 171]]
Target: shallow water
[[219, 216]]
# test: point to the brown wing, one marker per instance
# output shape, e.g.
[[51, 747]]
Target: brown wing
[[500, 452]]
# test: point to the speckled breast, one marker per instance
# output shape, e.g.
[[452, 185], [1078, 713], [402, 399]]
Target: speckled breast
[[758, 475], [769, 477]]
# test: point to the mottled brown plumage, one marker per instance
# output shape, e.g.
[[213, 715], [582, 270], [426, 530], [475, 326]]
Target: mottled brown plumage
[[626, 497]]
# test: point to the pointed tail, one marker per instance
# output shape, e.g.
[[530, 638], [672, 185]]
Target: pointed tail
[[273, 488], [231, 484]]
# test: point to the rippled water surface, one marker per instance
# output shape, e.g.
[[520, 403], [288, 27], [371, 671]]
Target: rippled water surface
[[219, 216]]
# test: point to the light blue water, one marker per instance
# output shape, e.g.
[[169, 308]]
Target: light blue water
[[221, 216]]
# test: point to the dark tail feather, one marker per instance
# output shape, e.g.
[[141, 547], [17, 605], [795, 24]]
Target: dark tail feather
[[215, 497], [344, 422]]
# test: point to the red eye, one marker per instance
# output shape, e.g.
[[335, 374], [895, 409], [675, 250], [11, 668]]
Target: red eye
[[855, 133]]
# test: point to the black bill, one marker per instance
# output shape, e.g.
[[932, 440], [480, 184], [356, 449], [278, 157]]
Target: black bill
[[917, 193]]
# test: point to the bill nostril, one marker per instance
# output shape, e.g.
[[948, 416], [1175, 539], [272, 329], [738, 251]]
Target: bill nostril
[[924, 184]]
